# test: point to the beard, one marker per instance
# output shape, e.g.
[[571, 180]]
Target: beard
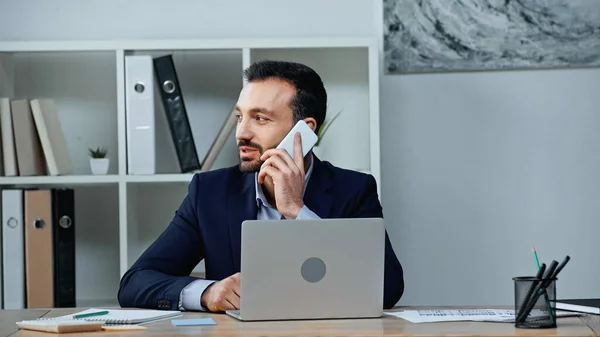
[[249, 165]]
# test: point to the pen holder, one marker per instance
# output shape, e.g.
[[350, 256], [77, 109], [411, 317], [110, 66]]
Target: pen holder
[[535, 303]]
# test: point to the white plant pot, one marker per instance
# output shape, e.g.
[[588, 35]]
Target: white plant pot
[[99, 165]]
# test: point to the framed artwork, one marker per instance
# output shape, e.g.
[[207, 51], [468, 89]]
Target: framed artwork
[[466, 35]]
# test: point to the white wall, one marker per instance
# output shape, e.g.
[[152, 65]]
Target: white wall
[[107, 19], [478, 167]]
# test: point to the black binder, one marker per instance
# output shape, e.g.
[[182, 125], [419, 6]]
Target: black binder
[[63, 219], [177, 118]]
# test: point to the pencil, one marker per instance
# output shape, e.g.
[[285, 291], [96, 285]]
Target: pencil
[[535, 258], [537, 263]]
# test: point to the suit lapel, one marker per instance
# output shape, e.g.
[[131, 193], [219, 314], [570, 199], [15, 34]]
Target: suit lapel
[[318, 196], [241, 206]]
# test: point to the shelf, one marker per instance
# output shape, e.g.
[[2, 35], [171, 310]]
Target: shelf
[[119, 215], [60, 180], [174, 178], [83, 88], [97, 242], [197, 44], [90, 180], [160, 178], [150, 209]]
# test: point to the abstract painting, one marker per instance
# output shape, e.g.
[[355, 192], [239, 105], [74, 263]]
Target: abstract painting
[[464, 35]]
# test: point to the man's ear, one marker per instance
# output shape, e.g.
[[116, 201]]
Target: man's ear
[[312, 123]]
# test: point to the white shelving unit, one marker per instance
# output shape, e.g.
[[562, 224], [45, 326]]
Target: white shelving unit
[[119, 215]]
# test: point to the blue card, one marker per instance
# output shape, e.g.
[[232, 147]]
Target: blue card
[[193, 322]]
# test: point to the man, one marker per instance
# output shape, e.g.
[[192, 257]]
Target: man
[[267, 184]]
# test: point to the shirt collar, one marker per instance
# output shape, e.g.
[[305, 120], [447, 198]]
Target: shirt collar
[[260, 196]]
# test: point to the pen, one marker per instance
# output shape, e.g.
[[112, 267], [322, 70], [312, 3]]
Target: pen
[[541, 272], [537, 263], [541, 288], [561, 266], [533, 286], [98, 313], [535, 258], [554, 276]]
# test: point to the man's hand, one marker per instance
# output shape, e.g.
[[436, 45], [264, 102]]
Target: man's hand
[[287, 174], [222, 295]]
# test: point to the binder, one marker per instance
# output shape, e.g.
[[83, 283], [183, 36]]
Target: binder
[[63, 236], [9, 156], [13, 255], [166, 155], [219, 142], [1, 166], [140, 109], [52, 138], [176, 112], [2, 254], [39, 261], [30, 156]]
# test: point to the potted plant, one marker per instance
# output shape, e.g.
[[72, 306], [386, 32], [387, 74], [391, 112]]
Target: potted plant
[[321, 133], [98, 161]]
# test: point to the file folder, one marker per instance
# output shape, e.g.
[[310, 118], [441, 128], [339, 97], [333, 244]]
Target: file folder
[[39, 261], [176, 112], [63, 232], [140, 110], [13, 254]]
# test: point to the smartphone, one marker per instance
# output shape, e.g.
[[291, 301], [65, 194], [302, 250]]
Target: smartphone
[[308, 136]]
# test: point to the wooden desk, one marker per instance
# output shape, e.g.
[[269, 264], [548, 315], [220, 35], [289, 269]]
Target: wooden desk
[[387, 326], [9, 317]]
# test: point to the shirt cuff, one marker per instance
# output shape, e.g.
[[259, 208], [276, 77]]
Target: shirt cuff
[[191, 294], [306, 214]]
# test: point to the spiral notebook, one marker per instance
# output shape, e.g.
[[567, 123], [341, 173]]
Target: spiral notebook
[[119, 316]]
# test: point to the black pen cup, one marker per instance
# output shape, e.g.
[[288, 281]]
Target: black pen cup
[[535, 303]]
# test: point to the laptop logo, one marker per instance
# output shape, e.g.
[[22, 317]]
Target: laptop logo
[[313, 269]]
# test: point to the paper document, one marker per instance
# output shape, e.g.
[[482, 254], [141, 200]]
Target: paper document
[[453, 315]]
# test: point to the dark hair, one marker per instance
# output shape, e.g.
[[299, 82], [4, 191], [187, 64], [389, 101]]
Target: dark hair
[[311, 97]]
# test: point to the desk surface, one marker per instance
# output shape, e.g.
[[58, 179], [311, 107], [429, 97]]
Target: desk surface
[[386, 326]]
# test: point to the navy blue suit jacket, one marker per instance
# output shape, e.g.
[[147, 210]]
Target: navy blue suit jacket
[[207, 226]]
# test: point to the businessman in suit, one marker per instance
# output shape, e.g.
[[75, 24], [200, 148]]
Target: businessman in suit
[[266, 184]]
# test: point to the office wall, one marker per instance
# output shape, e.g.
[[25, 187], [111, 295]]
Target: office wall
[[481, 166], [97, 19], [478, 167]]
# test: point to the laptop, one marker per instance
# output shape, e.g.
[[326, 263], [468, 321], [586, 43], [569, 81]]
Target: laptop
[[311, 269]]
